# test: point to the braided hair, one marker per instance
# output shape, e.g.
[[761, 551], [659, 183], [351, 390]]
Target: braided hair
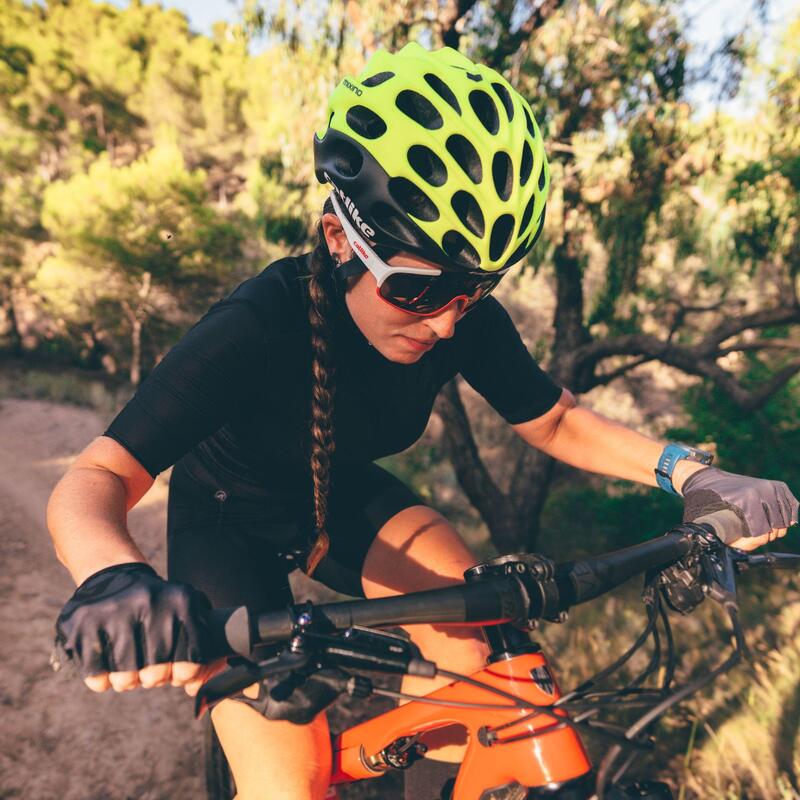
[[322, 445]]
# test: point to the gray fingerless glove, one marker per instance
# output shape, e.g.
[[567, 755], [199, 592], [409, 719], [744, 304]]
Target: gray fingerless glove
[[759, 504]]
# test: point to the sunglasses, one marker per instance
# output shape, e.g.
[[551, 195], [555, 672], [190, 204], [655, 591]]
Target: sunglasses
[[416, 290]]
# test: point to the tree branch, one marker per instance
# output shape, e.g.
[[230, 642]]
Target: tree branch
[[607, 377], [508, 43], [753, 399], [730, 326], [698, 359], [462, 450], [637, 344], [450, 19], [759, 344]]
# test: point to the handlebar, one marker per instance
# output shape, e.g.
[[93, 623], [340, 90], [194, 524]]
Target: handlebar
[[514, 597], [681, 567]]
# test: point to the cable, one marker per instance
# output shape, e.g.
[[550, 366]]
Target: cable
[[615, 665]]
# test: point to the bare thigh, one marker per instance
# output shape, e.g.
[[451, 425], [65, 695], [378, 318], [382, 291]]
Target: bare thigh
[[418, 549], [273, 760]]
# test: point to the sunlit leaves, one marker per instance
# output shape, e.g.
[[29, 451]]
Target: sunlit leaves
[[118, 214]]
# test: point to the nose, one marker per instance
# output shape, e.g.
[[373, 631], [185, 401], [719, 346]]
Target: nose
[[443, 323]]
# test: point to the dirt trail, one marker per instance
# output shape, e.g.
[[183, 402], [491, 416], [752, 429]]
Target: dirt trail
[[58, 739]]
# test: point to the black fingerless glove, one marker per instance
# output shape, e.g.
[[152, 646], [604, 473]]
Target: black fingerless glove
[[296, 698], [760, 504], [126, 617]]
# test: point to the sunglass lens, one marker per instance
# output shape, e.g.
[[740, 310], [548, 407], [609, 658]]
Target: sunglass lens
[[427, 295]]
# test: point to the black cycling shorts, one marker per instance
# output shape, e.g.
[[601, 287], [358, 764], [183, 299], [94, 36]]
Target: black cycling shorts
[[216, 544]]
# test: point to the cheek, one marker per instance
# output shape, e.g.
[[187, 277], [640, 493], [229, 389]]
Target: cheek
[[374, 316]]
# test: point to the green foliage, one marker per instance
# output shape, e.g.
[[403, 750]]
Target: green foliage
[[151, 216], [582, 519], [765, 442]]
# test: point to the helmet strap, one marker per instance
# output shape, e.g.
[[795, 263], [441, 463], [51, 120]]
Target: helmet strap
[[343, 270]]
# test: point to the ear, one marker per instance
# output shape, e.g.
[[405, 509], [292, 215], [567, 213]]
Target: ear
[[335, 238]]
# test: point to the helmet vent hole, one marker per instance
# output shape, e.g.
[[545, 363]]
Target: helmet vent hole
[[505, 99], [460, 250], [539, 226], [365, 122], [347, 160], [529, 122], [542, 178], [443, 90], [386, 219], [419, 108], [427, 165], [516, 255], [503, 174], [466, 156], [377, 79], [469, 212], [485, 110], [501, 235], [526, 167], [413, 200], [526, 215]]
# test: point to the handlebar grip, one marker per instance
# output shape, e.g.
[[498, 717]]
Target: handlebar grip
[[725, 523], [230, 632], [579, 581]]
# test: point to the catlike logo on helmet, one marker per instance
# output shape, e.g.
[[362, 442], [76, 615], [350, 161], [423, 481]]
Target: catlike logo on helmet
[[351, 207]]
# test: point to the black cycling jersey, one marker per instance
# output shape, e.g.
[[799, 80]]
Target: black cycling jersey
[[232, 398]]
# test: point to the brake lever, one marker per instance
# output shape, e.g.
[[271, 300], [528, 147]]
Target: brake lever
[[772, 560], [719, 570], [245, 673]]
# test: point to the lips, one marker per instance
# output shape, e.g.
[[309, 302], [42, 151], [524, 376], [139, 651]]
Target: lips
[[419, 344]]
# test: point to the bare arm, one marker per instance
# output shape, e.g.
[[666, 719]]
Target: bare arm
[[86, 516], [590, 441], [87, 511]]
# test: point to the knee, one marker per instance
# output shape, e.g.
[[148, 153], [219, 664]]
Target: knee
[[273, 760]]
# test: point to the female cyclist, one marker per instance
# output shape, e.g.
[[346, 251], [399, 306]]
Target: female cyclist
[[274, 406]]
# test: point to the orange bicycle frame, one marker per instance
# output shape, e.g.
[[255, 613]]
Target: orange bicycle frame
[[523, 752]]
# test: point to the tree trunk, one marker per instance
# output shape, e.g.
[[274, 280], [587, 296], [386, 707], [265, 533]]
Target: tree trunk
[[136, 317], [136, 351], [514, 519], [14, 335]]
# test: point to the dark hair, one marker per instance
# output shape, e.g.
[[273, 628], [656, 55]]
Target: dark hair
[[322, 445]]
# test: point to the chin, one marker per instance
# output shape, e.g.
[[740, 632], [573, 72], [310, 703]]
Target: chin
[[408, 358], [402, 356]]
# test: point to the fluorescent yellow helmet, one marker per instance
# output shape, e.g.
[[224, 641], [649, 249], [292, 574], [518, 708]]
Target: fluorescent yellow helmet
[[436, 155]]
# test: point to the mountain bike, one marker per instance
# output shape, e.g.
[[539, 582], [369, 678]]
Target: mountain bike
[[524, 735]]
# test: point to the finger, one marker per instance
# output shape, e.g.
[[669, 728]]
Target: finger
[[155, 675], [776, 533], [785, 504], [98, 683], [123, 681], [748, 543], [209, 671], [792, 506], [184, 671]]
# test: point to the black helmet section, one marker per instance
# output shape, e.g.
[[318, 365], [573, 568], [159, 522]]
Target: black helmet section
[[378, 205]]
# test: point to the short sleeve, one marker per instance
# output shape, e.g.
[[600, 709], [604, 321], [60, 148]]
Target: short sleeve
[[494, 360], [193, 390]]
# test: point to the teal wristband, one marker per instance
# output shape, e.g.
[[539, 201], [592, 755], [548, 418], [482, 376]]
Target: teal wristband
[[670, 456]]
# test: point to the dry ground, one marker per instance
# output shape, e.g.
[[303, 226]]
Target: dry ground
[[58, 740]]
